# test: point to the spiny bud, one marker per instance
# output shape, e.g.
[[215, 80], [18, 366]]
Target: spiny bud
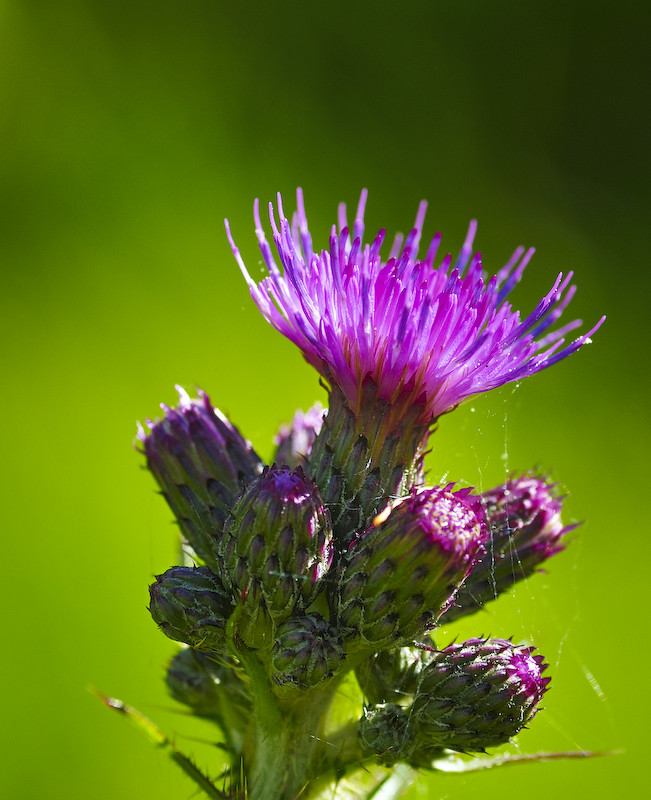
[[191, 605], [277, 544], [392, 675], [307, 651], [294, 441], [524, 521], [190, 681], [385, 732], [400, 574], [477, 694], [210, 686], [201, 462]]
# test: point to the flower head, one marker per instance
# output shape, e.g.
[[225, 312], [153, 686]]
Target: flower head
[[477, 694], [201, 462], [401, 574], [422, 335], [307, 650], [277, 545], [191, 605], [524, 519]]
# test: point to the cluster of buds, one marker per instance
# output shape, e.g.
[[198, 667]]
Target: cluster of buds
[[273, 579], [337, 557]]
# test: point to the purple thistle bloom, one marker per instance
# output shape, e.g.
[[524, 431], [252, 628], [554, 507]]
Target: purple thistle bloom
[[422, 334]]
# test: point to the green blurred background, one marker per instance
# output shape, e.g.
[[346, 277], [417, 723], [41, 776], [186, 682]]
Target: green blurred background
[[128, 131]]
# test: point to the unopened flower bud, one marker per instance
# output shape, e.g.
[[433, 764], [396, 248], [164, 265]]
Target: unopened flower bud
[[294, 441], [213, 688], [391, 676], [277, 544], [385, 731], [191, 605], [201, 462], [190, 681], [525, 529], [477, 694], [400, 574], [307, 651]]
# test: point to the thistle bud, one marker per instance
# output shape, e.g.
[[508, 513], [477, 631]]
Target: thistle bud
[[201, 462], [277, 544], [477, 694], [191, 605], [400, 574], [212, 688], [190, 681], [294, 441], [385, 731], [307, 651], [525, 529], [391, 676]]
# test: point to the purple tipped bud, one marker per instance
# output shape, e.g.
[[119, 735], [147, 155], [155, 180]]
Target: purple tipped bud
[[524, 522], [400, 575], [307, 651], [191, 605], [294, 441], [277, 545], [391, 676], [477, 694], [385, 732], [201, 462]]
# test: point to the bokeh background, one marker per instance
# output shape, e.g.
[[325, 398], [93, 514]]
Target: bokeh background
[[128, 130]]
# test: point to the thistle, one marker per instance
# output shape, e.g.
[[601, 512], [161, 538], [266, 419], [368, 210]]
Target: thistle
[[191, 605], [201, 463], [523, 517], [398, 342], [276, 550], [307, 650], [402, 573], [337, 562], [475, 695]]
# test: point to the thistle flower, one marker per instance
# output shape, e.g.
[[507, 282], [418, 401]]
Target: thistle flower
[[337, 558], [423, 335], [398, 342], [201, 462], [523, 516], [398, 576], [475, 695]]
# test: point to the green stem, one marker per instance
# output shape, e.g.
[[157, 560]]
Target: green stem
[[285, 751], [290, 753]]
